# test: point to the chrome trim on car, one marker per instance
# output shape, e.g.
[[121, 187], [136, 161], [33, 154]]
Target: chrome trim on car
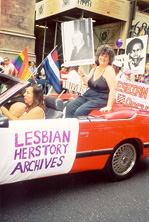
[[92, 153], [146, 145], [96, 119], [84, 133]]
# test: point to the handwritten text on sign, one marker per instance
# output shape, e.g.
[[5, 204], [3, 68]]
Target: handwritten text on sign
[[133, 94], [37, 148]]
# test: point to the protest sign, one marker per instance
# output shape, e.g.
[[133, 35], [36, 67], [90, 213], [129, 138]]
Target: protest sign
[[77, 41], [78, 88], [133, 94], [37, 148]]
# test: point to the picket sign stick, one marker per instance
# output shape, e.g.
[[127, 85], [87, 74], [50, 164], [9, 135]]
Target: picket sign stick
[[42, 62], [81, 80], [61, 93], [50, 90]]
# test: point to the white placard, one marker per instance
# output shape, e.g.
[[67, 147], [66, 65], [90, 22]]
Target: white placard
[[37, 148], [133, 94]]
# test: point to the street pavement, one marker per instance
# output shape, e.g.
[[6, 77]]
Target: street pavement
[[80, 197]]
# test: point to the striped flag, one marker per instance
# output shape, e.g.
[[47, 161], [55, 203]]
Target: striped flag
[[141, 31], [51, 67], [21, 66]]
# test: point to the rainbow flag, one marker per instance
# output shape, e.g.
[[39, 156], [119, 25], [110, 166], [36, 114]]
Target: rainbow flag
[[21, 65], [141, 32]]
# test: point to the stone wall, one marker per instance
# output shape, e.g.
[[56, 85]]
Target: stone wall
[[17, 28]]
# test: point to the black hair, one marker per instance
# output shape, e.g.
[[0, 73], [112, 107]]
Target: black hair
[[132, 43], [37, 96], [106, 49], [76, 68]]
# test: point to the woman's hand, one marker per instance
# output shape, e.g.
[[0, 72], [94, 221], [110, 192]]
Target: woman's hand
[[107, 108], [81, 71]]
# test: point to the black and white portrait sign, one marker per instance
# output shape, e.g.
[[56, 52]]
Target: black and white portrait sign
[[77, 40], [135, 52]]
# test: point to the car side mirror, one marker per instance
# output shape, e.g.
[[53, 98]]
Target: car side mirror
[[3, 122]]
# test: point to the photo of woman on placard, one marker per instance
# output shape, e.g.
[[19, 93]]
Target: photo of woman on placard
[[77, 38]]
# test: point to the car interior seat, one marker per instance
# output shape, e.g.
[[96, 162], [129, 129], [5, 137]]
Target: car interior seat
[[53, 107]]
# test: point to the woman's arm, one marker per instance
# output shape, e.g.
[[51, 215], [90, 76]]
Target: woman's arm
[[33, 78], [110, 77], [18, 109], [8, 114], [83, 75], [35, 113]]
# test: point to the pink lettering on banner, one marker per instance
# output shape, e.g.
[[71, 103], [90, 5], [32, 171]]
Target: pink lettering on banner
[[35, 165], [28, 138], [40, 150], [44, 136], [16, 141], [144, 92], [133, 90], [130, 88], [37, 137], [133, 94], [129, 102]]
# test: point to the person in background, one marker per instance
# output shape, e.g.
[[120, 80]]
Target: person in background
[[2, 67], [147, 68], [127, 75], [102, 86], [33, 98], [147, 73], [33, 68], [29, 63], [145, 77], [9, 67], [63, 73], [1, 59], [63, 76], [70, 69], [33, 72], [74, 77], [43, 80], [117, 65]]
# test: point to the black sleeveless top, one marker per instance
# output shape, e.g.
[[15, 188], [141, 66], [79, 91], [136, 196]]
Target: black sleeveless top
[[98, 88]]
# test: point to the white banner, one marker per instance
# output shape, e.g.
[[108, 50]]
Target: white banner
[[75, 87], [133, 94], [37, 148]]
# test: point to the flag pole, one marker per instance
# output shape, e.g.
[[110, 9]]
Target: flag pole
[[42, 62], [50, 90], [45, 58], [61, 93]]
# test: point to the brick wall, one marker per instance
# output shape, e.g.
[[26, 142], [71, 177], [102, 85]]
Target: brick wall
[[17, 27]]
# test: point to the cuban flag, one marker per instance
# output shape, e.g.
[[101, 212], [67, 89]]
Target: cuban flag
[[51, 67]]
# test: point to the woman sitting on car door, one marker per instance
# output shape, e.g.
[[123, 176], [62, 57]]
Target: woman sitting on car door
[[34, 109]]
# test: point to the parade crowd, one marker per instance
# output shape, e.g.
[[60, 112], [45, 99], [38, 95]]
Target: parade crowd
[[71, 73], [101, 83]]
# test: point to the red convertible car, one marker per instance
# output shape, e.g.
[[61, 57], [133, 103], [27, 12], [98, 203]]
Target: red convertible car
[[114, 141]]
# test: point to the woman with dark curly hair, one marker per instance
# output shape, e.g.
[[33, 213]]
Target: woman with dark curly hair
[[102, 86], [33, 98]]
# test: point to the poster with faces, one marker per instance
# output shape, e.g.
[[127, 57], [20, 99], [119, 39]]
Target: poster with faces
[[77, 41], [135, 54]]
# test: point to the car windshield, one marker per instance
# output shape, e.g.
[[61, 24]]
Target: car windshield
[[6, 84]]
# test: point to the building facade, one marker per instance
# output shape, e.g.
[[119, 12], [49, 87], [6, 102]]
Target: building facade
[[112, 20], [17, 20]]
